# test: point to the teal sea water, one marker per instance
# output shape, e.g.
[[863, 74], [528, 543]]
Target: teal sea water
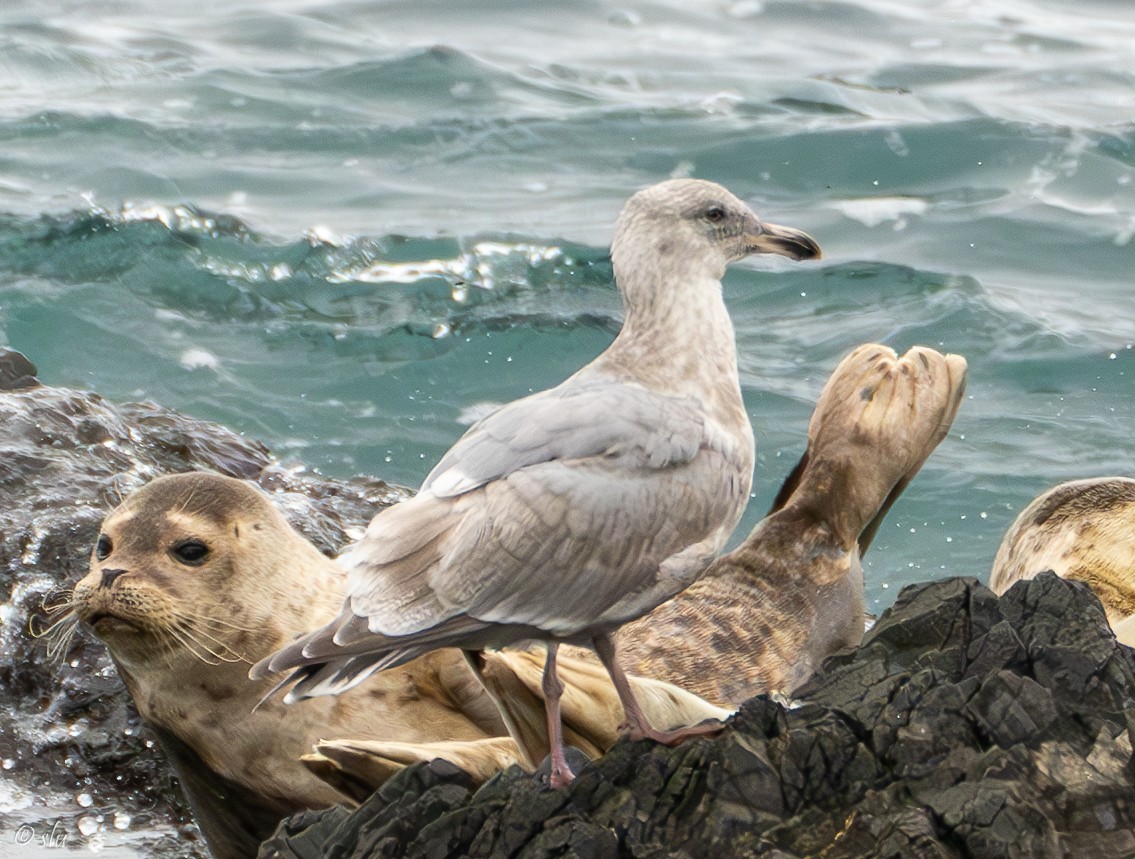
[[343, 227]]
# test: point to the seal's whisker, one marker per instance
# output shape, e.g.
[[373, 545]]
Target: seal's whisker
[[56, 622], [220, 650], [59, 599], [62, 622], [60, 635], [188, 498], [192, 625], [233, 655], [198, 619], [192, 645]]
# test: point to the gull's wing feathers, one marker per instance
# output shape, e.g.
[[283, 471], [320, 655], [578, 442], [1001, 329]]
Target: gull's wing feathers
[[553, 547], [398, 576], [529, 488], [546, 517], [577, 420]]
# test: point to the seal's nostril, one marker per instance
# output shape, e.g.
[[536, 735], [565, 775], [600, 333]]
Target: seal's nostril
[[108, 577]]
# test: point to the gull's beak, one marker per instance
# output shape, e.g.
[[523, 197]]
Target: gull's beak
[[786, 241]]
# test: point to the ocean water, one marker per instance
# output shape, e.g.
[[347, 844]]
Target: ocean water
[[345, 227]]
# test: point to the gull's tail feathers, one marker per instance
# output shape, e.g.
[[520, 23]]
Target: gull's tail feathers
[[320, 666]]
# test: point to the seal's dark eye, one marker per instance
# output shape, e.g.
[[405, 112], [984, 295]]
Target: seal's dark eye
[[103, 547], [190, 551], [715, 214]]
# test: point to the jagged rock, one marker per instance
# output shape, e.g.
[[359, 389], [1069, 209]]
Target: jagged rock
[[964, 726], [66, 459]]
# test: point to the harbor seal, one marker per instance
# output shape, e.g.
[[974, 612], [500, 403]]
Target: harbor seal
[[196, 576], [763, 617], [1082, 530], [176, 598]]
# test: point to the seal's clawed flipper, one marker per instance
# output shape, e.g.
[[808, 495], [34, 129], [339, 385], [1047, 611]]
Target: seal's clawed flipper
[[590, 707]]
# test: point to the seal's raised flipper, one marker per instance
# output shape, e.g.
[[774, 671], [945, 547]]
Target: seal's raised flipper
[[876, 422]]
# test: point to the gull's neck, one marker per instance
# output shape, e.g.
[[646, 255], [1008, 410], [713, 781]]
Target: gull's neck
[[677, 336]]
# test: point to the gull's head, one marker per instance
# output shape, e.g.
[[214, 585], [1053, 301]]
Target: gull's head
[[691, 219]]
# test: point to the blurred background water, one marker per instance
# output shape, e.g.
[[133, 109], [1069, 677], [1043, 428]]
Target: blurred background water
[[343, 227]]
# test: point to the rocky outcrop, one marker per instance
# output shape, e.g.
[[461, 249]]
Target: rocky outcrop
[[964, 726]]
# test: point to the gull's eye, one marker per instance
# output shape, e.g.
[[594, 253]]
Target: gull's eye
[[103, 547], [715, 214], [190, 552]]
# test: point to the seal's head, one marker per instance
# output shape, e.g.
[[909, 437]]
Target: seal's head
[[184, 569]]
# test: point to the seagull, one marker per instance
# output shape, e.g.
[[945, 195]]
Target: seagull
[[564, 515]]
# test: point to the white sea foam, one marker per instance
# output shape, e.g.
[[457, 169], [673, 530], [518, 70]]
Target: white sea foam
[[872, 211], [199, 359]]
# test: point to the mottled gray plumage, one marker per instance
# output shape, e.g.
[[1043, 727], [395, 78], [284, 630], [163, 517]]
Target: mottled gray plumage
[[565, 514]]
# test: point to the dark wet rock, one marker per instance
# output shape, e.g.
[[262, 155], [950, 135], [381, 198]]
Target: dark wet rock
[[964, 726], [16, 371], [68, 727]]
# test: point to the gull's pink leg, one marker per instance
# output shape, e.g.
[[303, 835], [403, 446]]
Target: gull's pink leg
[[638, 727], [561, 774]]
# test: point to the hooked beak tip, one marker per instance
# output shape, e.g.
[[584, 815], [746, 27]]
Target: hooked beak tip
[[787, 241]]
